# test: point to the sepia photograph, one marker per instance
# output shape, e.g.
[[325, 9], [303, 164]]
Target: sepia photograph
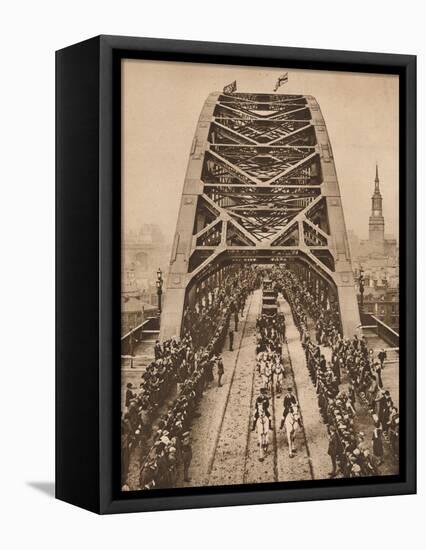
[[211, 209], [259, 275]]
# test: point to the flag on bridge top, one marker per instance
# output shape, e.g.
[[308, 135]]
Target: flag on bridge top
[[230, 88], [281, 80]]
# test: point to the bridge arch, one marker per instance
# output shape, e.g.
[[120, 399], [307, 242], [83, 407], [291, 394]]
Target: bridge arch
[[260, 187]]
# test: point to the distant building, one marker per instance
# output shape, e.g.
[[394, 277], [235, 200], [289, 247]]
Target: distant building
[[144, 252], [384, 305], [131, 301], [378, 244], [378, 259]]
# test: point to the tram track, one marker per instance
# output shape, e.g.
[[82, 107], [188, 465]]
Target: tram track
[[232, 456], [257, 470], [276, 465], [219, 432], [294, 385]]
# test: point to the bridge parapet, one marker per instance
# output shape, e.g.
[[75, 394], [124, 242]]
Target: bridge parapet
[[383, 331]]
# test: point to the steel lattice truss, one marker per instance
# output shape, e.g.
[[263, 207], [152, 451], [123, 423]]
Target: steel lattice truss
[[261, 179], [260, 187]]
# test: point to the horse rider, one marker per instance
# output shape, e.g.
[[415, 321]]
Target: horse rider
[[289, 401], [261, 403]]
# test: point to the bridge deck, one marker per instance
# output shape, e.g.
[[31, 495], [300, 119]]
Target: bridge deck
[[225, 449]]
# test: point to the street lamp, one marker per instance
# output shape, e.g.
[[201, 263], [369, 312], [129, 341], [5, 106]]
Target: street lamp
[[361, 284], [159, 284]]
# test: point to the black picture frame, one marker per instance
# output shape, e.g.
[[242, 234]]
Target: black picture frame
[[88, 272]]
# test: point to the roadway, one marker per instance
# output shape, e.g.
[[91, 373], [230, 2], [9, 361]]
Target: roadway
[[225, 450]]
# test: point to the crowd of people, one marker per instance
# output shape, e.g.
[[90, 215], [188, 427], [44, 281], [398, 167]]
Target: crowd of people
[[142, 404], [365, 373], [186, 366], [349, 452], [305, 304], [189, 365], [208, 319], [172, 445]]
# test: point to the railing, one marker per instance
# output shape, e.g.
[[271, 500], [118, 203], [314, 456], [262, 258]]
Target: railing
[[386, 333], [130, 340], [367, 319]]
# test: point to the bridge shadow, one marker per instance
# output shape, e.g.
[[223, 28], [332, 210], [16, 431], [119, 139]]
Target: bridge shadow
[[46, 487]]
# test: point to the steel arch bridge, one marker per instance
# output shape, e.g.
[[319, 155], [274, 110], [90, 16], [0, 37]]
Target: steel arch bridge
[[260, 187]]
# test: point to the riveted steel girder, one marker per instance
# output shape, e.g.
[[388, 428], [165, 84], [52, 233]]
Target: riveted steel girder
[[261, 187]]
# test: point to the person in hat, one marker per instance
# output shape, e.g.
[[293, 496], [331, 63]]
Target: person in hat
[[129, 394], [378, 443], [377, 370], [333, 449], [231, 340], [158, 352], [220, 371], [262, 402], [186, 450], [381, 356], [148, 474], [236, 320], [289, 401], [394, 431]]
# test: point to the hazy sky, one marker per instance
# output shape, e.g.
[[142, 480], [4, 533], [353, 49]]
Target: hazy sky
[[162, 102]]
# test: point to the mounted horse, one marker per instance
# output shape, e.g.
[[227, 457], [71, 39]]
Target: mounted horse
[[267, 376], [291, 425], [279, 378], [262, 429]]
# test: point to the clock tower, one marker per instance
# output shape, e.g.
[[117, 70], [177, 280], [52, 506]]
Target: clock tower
[[377, 222]]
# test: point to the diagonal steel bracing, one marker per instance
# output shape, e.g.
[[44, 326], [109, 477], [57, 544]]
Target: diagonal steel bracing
[[261, 187]]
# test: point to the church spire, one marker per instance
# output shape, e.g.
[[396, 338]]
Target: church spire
[[377, 222], [376, 181]]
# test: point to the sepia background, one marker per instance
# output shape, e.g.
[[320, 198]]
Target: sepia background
[[162, 102]]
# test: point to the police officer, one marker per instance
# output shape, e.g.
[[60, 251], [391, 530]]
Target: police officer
[[186, 449], [382, 355], [158, 352], [333, 449]]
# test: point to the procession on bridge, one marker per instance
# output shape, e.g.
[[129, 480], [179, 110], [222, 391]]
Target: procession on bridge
[[163, 412], [264, 366]]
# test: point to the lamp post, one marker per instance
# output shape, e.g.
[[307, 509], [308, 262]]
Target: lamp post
[[361, 284], [159, 284]]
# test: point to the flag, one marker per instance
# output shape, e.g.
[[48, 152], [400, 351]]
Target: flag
[[230, 88], [281, 80]]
